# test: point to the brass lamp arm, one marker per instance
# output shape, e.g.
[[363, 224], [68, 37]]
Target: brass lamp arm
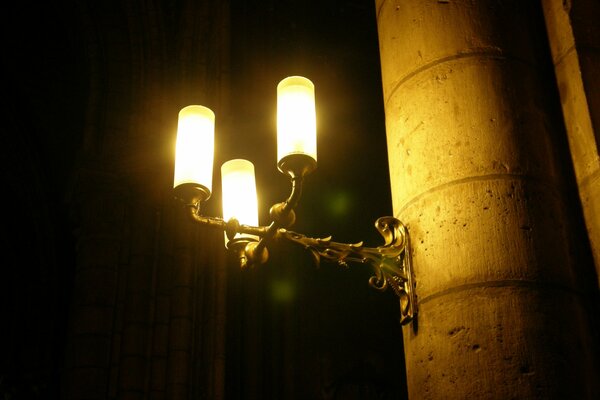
[[391, 262], [282, 215], [252, 252], [230, 227]]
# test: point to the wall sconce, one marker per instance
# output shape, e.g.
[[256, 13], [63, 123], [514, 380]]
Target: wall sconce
[[297, 157]]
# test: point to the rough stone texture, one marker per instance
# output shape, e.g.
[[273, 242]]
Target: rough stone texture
[[520, 241], [574, 37], [478, 177], [493, 352]]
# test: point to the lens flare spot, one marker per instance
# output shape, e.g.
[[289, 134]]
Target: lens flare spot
[[340, 204], [282, 291]]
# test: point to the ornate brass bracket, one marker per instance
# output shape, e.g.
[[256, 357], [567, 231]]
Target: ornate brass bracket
[[391, 262]]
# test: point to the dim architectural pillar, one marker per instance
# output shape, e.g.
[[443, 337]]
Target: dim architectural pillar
[[574, 36], [477, 176]]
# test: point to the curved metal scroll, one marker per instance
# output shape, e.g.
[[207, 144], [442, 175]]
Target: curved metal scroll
[[391, 262]]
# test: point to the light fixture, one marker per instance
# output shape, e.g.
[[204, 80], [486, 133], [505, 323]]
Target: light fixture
[[194, 153], [297, 157]]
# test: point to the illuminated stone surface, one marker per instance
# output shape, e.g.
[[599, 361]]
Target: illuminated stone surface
[[478, 175]]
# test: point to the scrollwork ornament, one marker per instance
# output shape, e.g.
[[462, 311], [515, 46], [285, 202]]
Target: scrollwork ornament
[[390, 262]]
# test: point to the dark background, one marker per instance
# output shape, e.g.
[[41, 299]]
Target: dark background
[[305, 330]]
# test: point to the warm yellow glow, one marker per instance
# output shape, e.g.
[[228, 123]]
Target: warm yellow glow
[[296, 118], [195, 146], [239, 192]]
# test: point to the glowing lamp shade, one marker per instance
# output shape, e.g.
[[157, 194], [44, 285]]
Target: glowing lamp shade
[[194, 150], [239, 192], [296, 118]]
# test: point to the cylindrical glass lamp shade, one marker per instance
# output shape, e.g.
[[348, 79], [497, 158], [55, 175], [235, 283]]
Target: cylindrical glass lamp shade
[[194, 150], [296, 119], [239, 193]]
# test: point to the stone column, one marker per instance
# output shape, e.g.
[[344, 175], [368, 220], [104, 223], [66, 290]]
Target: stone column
[[574, 36], [478, 176], [99, 215]]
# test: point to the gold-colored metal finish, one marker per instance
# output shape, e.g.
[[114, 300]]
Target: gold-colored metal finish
[[297, 165], [391, 262], [191, 193]]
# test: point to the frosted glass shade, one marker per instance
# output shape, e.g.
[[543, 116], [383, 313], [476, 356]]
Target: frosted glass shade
[[194, 150], [239, 193], [296, 118]]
